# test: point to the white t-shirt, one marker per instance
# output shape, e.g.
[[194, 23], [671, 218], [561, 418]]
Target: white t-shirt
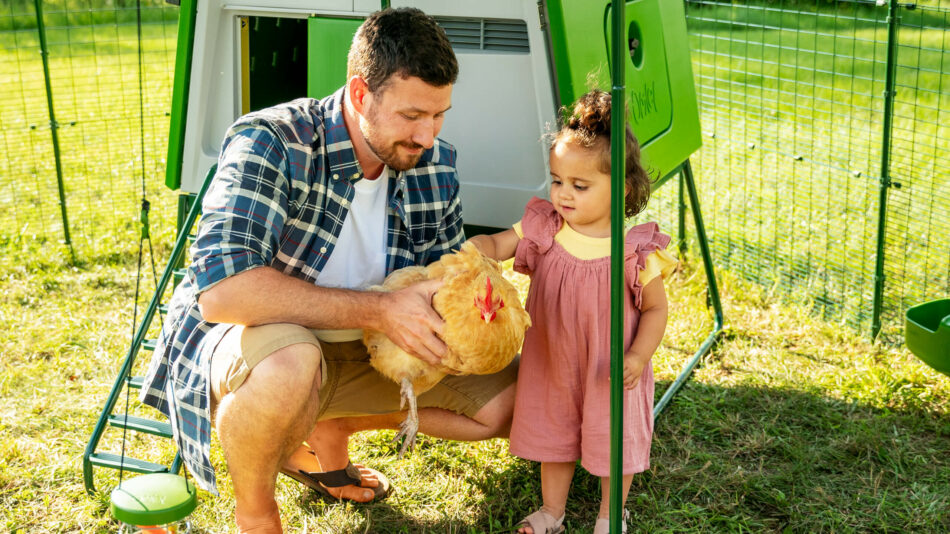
[[359, 258]]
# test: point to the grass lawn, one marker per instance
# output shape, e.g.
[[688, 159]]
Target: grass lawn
[[794, 423], [791, 424]]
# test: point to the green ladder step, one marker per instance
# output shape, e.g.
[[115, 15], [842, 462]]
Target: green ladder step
[[114, 461], [140, 424], [124, 380]]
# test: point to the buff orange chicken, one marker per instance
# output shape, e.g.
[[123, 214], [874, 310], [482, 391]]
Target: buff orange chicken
[[485, 325]]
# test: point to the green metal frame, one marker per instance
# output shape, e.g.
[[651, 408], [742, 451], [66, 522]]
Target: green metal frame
[[689, 184], [124, 379], [183, 56], [885, 179], [53, 125], [618, 139]]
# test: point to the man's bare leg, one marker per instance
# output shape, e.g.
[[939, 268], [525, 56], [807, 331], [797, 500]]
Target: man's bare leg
[[261, 423], [330, 438]]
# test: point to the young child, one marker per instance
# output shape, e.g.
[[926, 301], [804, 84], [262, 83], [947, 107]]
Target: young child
[[562, 408]]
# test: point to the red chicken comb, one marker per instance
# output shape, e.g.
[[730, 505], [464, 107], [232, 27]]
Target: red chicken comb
[[486, 304]]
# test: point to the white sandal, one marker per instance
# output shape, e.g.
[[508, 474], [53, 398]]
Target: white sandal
[[542, 522], [602, 526]]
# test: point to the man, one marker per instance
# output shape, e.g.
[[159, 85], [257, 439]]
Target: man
[[312, 202]]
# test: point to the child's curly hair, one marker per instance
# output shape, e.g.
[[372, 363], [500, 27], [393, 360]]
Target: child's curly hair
[[588, 125]]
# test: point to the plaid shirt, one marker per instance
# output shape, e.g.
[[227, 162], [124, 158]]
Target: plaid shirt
[[281, 192]]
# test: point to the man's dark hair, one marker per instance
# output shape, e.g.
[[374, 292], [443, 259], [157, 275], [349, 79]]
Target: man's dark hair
[[403, 41]]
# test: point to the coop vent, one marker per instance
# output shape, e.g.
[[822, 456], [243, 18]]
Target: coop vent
[[486, 34]]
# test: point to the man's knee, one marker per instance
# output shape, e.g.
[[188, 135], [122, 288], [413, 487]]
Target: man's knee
[[275, 352], [277, 391], [294, 369]]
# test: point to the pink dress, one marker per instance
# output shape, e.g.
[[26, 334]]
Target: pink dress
[[562, 407]]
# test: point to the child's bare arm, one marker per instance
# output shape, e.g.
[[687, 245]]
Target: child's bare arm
[[653, 316], [500, 246]]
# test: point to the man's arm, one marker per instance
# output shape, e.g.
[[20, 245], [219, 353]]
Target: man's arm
[[265, 295]]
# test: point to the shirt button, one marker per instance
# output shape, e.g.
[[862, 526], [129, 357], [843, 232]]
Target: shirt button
[[323, 250], [336, 176], [355, 176]]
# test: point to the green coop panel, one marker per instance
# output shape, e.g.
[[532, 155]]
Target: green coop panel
[[328, 42], [660, 96]]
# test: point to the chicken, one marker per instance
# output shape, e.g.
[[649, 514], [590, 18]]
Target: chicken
[[485, 325]]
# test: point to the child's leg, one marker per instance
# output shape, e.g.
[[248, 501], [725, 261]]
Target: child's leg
[[555, 483], [605, 494]]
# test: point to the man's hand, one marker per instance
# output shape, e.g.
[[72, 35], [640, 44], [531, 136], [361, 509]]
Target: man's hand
[[411, 323]]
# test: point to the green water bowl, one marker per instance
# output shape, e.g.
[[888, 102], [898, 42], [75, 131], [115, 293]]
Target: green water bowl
[[157, 502], [927, 333]]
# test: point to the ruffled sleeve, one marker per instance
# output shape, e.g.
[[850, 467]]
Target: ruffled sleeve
[[646, 257], [539, 225]]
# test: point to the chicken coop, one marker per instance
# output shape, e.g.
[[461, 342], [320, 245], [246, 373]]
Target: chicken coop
[[519, 61]]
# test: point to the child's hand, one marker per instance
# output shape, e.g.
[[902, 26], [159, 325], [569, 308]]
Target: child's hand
[[633, 365]]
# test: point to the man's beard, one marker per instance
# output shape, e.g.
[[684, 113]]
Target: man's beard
[[389, 154]]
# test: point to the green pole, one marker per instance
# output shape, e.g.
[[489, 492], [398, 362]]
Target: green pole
[[53, 125], [617, 167], [184, 53], [885, 179], [681, 213]]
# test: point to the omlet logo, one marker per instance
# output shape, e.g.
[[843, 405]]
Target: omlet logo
[[643, 101]]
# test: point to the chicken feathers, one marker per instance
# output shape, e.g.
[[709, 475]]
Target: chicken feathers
[[484, 327]]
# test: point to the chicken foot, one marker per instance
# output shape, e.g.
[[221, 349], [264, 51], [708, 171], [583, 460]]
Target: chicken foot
[[410, 426]]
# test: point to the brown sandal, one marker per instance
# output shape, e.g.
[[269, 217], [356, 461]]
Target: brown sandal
[[602, 526], [542, 522], [319, 481]]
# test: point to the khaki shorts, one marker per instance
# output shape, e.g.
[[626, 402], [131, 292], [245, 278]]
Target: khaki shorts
[[350, 386]]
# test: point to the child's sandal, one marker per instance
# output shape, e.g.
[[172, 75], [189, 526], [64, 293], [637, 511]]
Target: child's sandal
[[602, 526], [542, 522]]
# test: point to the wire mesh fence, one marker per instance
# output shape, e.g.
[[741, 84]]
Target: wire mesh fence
[[110, 70], [798, 145], [809, 108]]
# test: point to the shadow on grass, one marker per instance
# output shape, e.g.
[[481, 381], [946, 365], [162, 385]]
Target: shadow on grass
[[744, 459]]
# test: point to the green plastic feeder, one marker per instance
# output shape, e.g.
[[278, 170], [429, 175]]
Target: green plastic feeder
[[927, 333], [154, 503]]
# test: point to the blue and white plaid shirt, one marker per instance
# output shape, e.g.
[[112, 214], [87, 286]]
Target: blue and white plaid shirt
[[281, 192]]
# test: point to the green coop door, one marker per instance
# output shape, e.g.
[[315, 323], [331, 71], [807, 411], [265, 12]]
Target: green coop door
[[648, 82], [328, 42], [659, 78]]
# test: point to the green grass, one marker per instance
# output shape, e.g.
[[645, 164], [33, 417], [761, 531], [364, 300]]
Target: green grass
[[792, 424], [791, 98]]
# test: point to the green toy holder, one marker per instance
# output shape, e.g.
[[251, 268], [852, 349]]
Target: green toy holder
[[157, 503], [927, 333]]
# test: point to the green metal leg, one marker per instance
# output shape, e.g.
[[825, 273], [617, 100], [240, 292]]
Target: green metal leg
[[687, 177], [681, 217]]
